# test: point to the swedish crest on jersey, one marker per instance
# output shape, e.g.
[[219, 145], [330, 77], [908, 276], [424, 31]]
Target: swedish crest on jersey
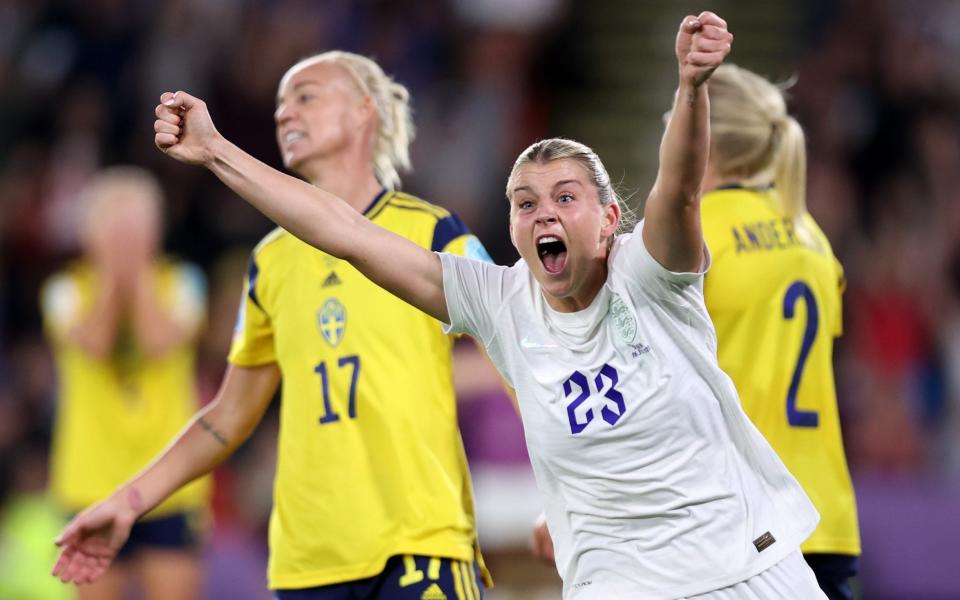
[[624, 322], [332, 321]]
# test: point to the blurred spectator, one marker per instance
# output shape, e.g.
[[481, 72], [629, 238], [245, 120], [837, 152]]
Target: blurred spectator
[[122, 322]]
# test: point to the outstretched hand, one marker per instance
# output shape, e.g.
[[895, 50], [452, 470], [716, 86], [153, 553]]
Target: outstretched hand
[[184, 129], [90, 542], [703, 42]]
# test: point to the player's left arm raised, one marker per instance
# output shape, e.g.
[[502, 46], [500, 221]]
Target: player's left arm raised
[[672, 231], [185, 131]]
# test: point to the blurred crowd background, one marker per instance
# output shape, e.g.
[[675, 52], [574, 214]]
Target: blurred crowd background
[[875, 85]]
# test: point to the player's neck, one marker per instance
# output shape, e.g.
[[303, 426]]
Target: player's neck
[[583, 294], [355, 183]]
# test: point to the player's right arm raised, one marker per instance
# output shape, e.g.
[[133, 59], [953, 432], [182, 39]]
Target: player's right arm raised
[[92, 539], [673, 233], [185, 131]]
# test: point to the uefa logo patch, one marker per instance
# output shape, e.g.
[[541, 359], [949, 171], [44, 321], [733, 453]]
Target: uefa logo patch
[[332, 321]]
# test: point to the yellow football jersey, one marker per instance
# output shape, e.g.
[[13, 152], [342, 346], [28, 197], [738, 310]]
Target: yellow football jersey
[[776, 305], [370, 461], [116, 414]]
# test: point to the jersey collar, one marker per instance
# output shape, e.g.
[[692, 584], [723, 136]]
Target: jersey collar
[[378, 200]]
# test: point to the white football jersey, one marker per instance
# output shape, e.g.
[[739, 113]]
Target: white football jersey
[[655, 483]]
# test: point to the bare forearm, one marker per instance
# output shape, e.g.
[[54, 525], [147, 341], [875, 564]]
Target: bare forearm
[[317, 217], [685, 147], [673, 232], [201, 446], [210, 437], [326, 222]]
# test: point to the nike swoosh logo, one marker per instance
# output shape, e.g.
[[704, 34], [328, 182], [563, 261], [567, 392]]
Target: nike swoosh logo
[[526, 343]]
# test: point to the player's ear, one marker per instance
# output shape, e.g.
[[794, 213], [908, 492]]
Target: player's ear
[[611, 219], [366, 111], [513, 239]]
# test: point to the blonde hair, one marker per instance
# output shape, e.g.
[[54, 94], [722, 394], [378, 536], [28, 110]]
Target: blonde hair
[[553, 149], [119, 184], [391, 151], [755, 140]]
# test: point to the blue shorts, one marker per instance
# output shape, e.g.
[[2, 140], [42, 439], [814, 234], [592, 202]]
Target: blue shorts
[[834, 572], [178, 531], [403, 578]]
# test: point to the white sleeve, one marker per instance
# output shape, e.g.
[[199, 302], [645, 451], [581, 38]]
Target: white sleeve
[[473, 290], [642, 269], [189, 297], [60, 304]]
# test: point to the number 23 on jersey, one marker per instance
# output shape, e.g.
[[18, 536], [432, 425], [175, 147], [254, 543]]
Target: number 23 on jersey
[[577, 389]]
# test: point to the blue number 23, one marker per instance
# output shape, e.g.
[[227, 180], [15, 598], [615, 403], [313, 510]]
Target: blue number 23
[[608, 414]]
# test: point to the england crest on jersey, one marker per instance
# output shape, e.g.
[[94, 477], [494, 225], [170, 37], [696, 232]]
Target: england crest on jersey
[[623, 321], [332, 321]]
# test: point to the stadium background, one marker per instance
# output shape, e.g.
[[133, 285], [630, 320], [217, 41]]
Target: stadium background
[[877, 92]]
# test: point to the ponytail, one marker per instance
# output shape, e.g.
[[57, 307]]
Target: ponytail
[[756, 142], [392, 147], [790, 169]]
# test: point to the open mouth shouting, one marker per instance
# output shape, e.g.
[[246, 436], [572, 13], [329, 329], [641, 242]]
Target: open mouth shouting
[[553, 253]]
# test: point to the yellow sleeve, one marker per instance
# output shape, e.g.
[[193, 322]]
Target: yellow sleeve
[[253, 335], [189, 297]]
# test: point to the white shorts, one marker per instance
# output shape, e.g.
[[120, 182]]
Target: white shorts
[[789, 579]]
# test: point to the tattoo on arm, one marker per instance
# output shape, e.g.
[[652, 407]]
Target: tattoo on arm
[[691, 98], [216, 434]]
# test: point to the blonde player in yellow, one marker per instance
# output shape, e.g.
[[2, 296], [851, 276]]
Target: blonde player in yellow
[[122, 321], [774, 294], [372, 498]]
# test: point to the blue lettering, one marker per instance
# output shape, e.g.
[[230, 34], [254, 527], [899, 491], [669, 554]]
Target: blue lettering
[[775, 234], [752, 236], [765, 235], [738, 240]]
